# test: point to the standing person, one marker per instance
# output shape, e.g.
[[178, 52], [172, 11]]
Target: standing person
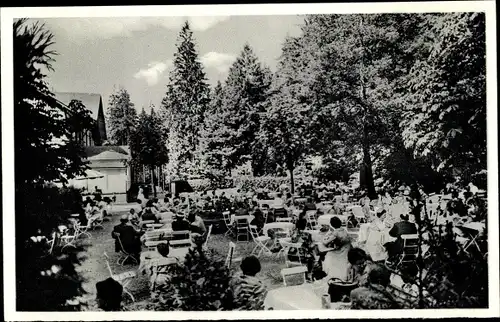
[[249, 292], [337, 244], [140, 194], [196, 224]]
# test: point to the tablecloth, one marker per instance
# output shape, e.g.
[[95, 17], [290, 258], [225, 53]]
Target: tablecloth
[[298, 297], [324, 220]]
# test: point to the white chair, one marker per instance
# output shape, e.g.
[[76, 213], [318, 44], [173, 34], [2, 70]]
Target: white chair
[[284, 219], [410, 248], [241, 228], [123, 278], [286, 250], [205, 244], [285, 272], [125, 255], [312, 222], [226, 215], [69, 239], [260, 241], [84, 230]]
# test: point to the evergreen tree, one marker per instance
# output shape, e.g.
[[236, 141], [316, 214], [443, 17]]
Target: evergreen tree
[[245, 98], [184, 104], [148, 143], [122, 117]]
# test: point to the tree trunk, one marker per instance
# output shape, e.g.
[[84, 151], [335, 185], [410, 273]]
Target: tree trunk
[[153, 181], [290, 167], [367, 163]]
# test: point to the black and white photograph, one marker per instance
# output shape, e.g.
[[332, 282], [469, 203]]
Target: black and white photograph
[[330, 160]]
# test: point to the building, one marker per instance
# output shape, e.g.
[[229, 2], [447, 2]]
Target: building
[[93, 102], [109, 160]]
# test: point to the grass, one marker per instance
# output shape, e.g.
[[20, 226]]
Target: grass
[[93, 269]]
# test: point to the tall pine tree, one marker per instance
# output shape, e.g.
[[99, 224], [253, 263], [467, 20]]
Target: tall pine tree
[[244, 100], [122, 117], [184, 104]]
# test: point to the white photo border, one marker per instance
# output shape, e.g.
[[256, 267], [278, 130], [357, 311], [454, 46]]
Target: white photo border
[[7, 16]]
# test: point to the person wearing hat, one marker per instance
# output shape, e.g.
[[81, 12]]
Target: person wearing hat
[[404, 227], [129, 237], [109, 295]]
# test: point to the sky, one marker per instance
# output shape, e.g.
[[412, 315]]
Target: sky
[[98, 55]]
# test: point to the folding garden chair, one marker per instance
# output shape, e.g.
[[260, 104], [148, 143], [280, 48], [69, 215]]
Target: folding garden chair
[[312, 222], [205, 244], [83, 230], [260, 241], [242, 228], [123, 278], [286, 250], [227, 220], [69, 239], [126, 255], [410, 248]]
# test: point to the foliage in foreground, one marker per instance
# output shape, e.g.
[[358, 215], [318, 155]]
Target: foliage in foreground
[[201, 284]]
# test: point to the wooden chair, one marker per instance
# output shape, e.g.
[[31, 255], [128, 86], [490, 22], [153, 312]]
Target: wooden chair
[[285, 272], [312, 221], [123, 278]]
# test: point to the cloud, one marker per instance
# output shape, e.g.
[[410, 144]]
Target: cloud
[[152, 73], [106, 28], [220, 61]]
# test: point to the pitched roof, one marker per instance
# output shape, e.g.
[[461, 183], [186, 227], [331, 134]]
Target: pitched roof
[[90, 100], [91, 151], [109, 155]]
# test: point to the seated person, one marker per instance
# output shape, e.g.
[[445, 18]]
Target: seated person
[[129, 237], [109, 295], [258, 219], [309, 205], [361, 264], [374, 295], [196, 224], [180, 224], [147, 214], [301, 223], [133, 217], [404, 227], [249, 292]]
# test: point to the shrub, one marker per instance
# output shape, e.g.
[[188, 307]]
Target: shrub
[[270, 183], [453, 277], [203, 283], [45, 281]]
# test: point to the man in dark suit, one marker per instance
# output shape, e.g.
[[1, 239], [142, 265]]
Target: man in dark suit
[[404, 227], [129, 237]]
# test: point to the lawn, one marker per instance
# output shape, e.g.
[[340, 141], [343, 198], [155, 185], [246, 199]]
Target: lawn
[[94, 268]]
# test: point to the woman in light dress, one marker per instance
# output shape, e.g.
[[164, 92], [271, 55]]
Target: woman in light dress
[[337, 244], [140, 195]]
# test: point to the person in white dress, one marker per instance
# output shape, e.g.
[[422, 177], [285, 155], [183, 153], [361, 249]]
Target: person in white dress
[[337, 244], [140, 195]]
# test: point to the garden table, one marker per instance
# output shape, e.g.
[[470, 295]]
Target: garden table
[[278, 225]]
